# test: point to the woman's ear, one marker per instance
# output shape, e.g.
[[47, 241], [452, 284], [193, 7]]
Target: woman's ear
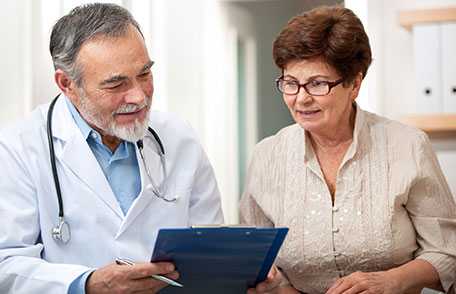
[[356, 86]]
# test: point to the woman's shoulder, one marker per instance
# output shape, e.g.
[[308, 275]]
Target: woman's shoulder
[[394, 130], [272, 151], [280, 140]]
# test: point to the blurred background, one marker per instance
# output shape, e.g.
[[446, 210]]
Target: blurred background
[[214, 68]]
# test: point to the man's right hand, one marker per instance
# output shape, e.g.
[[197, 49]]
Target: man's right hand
[[123, 279]]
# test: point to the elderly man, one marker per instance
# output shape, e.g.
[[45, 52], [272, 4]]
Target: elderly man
[[94, 175]]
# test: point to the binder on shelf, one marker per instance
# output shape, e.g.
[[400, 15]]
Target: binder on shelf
[[449, 66], [426, 39], [223, 260]]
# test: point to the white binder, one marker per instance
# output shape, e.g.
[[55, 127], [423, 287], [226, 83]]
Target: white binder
[[448, 41], [426, 38]]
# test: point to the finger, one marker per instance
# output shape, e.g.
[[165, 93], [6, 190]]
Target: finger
[[146, 285], [334, 285], [150, 283], [273, 281], [265, 286], [356, 289], [144, 270], [173, 275], [342, 287], [272, 273]]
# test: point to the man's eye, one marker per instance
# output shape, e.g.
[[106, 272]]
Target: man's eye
[[145, 74], [114, 86]]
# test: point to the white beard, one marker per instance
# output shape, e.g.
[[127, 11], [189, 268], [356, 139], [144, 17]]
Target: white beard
[[131, 132]]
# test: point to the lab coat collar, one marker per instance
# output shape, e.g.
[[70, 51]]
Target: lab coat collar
[[145, 197], [75, 153], [88, 171]]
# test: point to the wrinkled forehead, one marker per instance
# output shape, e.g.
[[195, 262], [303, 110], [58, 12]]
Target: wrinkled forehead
[[105, 56]]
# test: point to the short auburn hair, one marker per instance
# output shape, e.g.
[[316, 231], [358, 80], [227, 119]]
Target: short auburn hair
[[333, 33]]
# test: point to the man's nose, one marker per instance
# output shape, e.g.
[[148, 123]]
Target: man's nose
[[135, 95]]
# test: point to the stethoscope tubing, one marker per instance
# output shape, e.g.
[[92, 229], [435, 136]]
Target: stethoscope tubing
[[57, 231], [55, 175]]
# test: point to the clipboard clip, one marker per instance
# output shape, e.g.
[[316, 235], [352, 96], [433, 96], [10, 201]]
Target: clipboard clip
[[223, 226]]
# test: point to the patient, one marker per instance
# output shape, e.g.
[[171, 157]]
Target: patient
[[367, 205]]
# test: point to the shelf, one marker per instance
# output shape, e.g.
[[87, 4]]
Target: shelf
[[431, 123], [411, 17]]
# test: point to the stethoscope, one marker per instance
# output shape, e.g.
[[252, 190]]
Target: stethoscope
[[62, 232]]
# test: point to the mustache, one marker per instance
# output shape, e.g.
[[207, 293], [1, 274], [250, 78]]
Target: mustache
[[130, 107]]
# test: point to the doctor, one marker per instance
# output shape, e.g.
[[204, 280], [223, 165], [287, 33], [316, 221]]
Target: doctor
[[119, 181]]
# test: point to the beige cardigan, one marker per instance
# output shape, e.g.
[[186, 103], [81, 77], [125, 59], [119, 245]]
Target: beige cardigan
[[392, 204]]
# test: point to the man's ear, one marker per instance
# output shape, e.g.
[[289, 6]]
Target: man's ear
[[65, 83]]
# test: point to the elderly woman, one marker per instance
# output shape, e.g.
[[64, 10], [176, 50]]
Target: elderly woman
[[367, 205]]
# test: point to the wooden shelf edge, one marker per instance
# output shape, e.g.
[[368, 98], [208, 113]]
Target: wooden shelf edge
[[409, 18], [431, 123]]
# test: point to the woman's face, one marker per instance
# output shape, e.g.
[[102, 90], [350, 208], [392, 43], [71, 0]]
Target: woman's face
[[319, 114]]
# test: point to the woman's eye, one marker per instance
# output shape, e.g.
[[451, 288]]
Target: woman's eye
[[290, 83], [316, 83]]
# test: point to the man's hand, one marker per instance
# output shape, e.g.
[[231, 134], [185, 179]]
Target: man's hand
[[275, 283], [360, 282], [115, 278]]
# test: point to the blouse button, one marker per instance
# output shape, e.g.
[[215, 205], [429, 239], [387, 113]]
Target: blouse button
[[335, 230]]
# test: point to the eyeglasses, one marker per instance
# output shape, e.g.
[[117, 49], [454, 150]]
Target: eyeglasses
[[313, 87]]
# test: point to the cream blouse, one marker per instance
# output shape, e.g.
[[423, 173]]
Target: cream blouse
[[392, 204]]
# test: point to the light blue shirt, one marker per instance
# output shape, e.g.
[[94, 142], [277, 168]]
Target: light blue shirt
[[120, 169]]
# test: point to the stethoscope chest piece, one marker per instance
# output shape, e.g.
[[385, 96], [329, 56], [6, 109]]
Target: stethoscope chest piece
[[61, 232]]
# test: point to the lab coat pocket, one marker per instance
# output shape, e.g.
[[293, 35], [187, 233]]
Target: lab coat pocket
[[172, 209]]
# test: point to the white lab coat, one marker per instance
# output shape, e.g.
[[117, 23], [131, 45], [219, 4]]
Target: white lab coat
[[30, 260]]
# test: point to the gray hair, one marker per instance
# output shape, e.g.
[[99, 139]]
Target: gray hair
[[83, 23]]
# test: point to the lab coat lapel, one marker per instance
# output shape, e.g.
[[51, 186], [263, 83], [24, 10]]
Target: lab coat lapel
[[77, 156], [146, 197]]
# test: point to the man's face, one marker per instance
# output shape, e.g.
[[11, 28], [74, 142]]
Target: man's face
[[117, 87]]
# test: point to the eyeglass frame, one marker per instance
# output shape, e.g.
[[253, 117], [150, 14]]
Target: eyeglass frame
[[330, 86]]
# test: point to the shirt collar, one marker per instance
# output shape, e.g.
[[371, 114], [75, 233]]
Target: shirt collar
[[360, 117], [92, 136], [359, 124], [80, 122]]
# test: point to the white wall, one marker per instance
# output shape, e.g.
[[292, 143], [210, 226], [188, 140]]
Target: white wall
[[185, 38], [15, 60], [393, 83], [191, 42]]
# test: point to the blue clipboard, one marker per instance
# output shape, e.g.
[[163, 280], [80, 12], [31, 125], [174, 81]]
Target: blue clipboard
[[223, 260]]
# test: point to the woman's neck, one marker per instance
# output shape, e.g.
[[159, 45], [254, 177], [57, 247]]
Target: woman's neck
[[336, 137]]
